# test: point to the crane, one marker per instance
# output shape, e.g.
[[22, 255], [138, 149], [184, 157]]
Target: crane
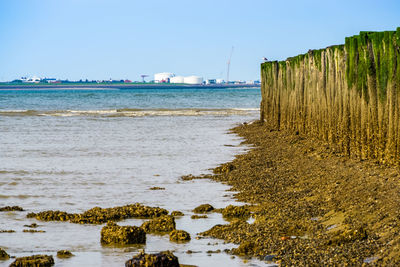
[[144, 76], [229, 64]]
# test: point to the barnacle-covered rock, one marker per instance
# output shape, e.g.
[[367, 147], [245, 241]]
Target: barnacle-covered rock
[[33, 231], [163, 224], [157, 188], [51, 215], [191, 177], [195, 216], [64, 254], [7, 231], [224, 168], [204, 208], [236, 212], [4, 255], [33, 261], [32, 225], [245, 248], [11, 208], [176, 213], [162, 259], [179, 236], [115, 234], [98, 215]]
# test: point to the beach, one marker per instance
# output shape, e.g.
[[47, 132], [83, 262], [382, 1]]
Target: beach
[[280, 197], [312, 205]]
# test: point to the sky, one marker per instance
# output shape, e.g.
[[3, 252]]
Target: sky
[[122, 39]]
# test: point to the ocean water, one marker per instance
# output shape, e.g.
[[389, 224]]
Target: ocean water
[[74, 149]]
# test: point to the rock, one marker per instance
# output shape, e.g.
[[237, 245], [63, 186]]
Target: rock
[[33, 261], [198, 216], [50, 215], [99, 215], [13, 208], [3, 255], [33, 225], [7, 231], [33, 231], [163, 224], [179, 236], [157, 188], [162, 259], [64, 254], [245, 248], [236, 212], [204, 208], [191, 177], [213, 251], [177, 213], [224, 168], [115, 234], [269, 257]]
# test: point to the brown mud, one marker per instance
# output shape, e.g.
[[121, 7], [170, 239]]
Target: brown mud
[[311, 205]]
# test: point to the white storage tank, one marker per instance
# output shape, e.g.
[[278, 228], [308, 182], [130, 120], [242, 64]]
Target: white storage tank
[[163, 77], [193, 80], [177, 79]]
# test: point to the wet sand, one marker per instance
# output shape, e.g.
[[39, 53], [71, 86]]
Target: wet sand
[[312, 205]]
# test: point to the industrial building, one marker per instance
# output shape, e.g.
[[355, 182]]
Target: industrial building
[[177, 79], [163, 77], [167, 77], [193, 80]]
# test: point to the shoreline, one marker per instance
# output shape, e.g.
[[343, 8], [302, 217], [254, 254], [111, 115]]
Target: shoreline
[[311, 204], [122, 86]]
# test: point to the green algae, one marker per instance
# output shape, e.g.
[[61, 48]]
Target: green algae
[[372, 54], [361, 61]]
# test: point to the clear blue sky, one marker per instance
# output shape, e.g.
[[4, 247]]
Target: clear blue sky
[[99, 39]]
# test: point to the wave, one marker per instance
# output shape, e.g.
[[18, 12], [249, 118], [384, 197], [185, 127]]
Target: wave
[[128, 112]]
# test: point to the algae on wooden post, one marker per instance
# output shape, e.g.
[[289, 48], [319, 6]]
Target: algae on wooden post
[[346, 95]]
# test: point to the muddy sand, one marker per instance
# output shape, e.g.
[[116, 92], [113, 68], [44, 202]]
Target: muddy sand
[[311, 204]]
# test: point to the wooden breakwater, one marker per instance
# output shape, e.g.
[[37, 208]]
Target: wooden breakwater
[[347, 95]]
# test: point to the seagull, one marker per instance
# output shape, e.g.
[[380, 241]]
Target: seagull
[[265, 59]]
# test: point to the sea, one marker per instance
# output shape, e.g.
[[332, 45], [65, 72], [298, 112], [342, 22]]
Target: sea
[[72, 149]]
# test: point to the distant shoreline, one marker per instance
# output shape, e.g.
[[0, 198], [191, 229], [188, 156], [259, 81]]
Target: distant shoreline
[[125, 86]]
